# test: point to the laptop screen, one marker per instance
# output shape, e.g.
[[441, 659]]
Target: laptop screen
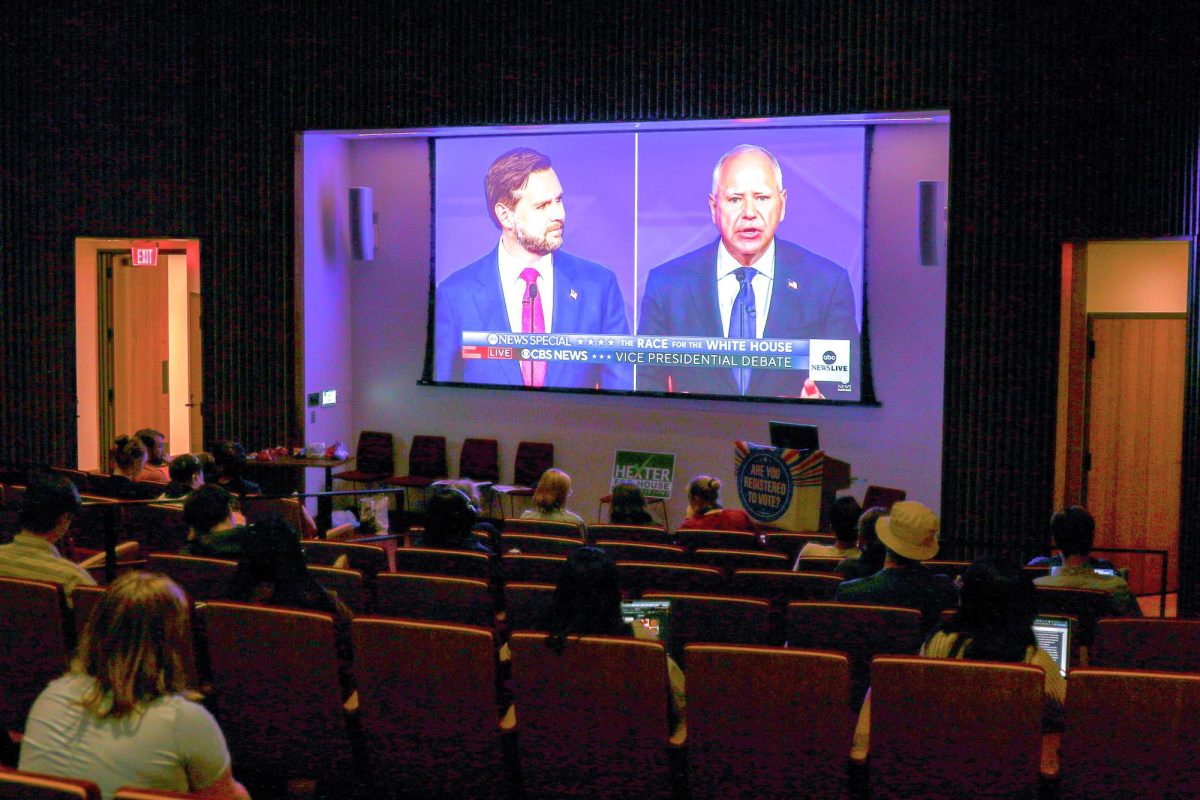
[[1053, 634], [652, 615]]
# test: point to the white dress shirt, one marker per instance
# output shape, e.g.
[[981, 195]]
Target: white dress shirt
[[514, 287], [728, 286]]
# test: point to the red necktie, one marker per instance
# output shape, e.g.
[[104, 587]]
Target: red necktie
[[532, 321]]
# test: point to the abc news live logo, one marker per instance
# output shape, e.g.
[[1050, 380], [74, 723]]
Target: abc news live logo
[[829, 360]]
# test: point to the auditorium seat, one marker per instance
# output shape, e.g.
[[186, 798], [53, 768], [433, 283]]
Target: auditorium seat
[[730, 560], [766, 723], [783, 586], [538, 544], [649, 534], [860, 631], [202, 578], [1130, 734], [18, 785], [1167, 645], [35, 643], [955, 728], [531, 568], [427, 708], [131, 793], [435, 561], [1085, 605], [642, 551], [693, 538], [156, 527], [593, 719], [826, 564], [525, 604], [953, 569], [790, 544], [711, 618], [637, 577], [435, 598], [543, 527], [347, 584]]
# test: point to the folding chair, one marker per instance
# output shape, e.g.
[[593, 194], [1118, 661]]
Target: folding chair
[[1130, 733], [882, 496], [533, 458], [436, 598], [765, 722], [275, 681], [593, 719], [374, 459], [427, 708], [954, 728], [860, 631], [426, 464]]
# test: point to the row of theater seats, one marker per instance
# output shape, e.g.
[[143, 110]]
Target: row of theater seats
[[762, 722]]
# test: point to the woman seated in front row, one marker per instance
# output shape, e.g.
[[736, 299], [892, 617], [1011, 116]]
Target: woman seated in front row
[[550, 500], [705, 511], [994, 622], [124, 713]]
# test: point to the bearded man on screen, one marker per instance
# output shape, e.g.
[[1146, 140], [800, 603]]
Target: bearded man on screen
[[748, 285], [528, 284]]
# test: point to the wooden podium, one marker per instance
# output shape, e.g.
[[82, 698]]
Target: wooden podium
[[788, 489]]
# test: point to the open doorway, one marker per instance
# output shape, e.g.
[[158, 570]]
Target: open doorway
[[138, 350], [1121, 388]]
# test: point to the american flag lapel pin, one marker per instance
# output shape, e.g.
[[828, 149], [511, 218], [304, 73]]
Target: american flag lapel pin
[[574, 295], [793, 285]]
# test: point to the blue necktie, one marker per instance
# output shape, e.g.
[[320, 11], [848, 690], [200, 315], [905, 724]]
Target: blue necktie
[[742, 322]]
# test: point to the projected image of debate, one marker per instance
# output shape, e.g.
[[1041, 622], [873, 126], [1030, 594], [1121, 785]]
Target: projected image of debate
[[716, 263]]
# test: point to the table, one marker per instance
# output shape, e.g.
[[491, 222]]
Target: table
[[294, 463]]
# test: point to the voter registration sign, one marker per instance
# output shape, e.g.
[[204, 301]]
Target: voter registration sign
[[652, 472]]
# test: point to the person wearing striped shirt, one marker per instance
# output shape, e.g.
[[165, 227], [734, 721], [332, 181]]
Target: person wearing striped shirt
[[50, 504]]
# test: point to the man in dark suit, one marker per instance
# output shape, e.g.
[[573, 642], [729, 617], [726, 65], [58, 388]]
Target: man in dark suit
[[528, 285], [750, 285]]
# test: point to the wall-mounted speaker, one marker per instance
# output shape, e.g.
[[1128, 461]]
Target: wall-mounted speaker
[[362, 224], [931, 223]]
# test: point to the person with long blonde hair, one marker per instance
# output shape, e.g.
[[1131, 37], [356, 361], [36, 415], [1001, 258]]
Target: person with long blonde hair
[[125, 713], [550, 499]]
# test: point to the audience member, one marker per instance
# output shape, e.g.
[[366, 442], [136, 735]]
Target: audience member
[[126, 482], [628, 506], [993, 623], [471, 489], [872, 550], [124, 715], [705, 511], [49, 505], [450, 518], [587, 602], [157, 459], [550, 500], [186, 475], [213, 532], [229, 460], [843, 517], [910, 535], [272, 569], [1074, 531]]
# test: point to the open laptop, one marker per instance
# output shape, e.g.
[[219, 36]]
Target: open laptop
[[652, 615], [1053, 634]]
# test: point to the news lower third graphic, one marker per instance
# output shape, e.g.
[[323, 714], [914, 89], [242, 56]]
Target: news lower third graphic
[[832, 356]]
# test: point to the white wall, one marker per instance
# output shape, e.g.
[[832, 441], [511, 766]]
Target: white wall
[[895, 444]]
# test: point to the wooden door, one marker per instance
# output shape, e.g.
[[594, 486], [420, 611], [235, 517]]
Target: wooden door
[[1135, 438]]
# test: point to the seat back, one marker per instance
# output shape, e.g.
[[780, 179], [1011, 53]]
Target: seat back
[[427, 457], [790, 543], [643, 551], [593, 718], [427, 707], [347, 584], [288, 509], [543, 527], [533, 458], [531, 568], [860, 631], [1085, 605], [782, 586], [649, 534], [84, 600], [714, 618], [369, 559], [765, 722], [376, 453], [1130, 733], [730, 560], [724, 540], [953, 569], [882, 497], [480, 460], [131, 793], [643, 576], [538, 544], [202, 578], [88, 526], [17, 785], [1168, 645], [435, 598], [435, 561], [954, 728], [525, 604], [275, 679], [156, 527], [34, 645], [826, 564]]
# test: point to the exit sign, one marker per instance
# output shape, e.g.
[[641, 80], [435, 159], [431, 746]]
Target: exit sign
[[145, 254]]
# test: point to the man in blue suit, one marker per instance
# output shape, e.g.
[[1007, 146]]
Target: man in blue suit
[[750, 285], [528, 284]]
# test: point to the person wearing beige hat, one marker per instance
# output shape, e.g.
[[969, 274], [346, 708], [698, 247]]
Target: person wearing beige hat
[[910, 535]]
